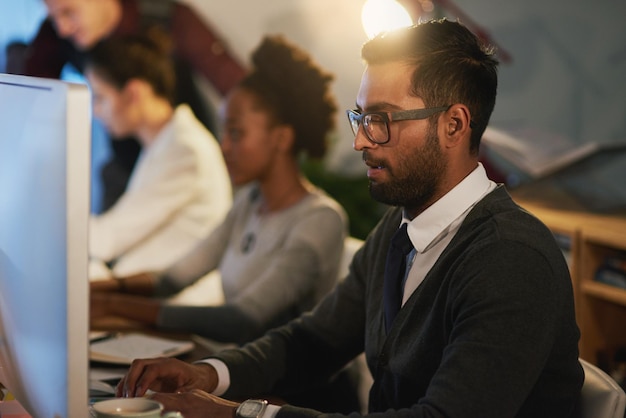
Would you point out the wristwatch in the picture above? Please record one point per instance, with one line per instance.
(252, 408)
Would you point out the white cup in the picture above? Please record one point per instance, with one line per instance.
(131, 408)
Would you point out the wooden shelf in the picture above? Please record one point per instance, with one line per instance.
(600, 308)
(604, 292)
(607, 232)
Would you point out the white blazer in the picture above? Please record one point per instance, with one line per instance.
(178, 192)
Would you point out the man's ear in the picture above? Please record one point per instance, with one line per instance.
(455, 124)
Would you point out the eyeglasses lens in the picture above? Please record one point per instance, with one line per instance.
(375, 127)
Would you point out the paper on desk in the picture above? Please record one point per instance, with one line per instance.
(123, 349)
(99, 335)
(106, 373)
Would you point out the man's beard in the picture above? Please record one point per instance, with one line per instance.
(414, 181)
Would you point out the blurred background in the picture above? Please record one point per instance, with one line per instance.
(562, 82)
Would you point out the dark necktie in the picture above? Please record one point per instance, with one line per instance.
(395, 269)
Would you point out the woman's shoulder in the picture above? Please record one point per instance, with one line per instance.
(319, 201)
(188, 131)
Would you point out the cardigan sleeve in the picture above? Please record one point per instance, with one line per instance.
(308, 350)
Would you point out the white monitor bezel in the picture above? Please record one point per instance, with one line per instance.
(78, 148)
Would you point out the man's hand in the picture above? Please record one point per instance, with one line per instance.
(167, 375)
(197, 404)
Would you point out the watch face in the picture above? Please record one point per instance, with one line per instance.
(251, 408)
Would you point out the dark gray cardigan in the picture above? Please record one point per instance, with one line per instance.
(490, 332)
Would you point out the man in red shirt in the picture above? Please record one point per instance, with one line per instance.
(73, 27)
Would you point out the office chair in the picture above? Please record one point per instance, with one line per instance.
(601, 396)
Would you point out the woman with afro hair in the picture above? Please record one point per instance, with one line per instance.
(279, 248)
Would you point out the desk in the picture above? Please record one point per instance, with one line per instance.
(202, 347)
(12, 409)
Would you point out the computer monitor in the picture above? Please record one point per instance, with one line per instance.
(44, 206)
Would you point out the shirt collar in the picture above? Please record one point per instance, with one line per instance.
(430, 224)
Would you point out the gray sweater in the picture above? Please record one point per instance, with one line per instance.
(273, 268)
(490, 332)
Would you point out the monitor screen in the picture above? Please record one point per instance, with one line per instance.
(44, 206)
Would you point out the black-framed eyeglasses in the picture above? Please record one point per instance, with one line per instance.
(376, 124)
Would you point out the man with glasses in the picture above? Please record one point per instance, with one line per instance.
(461, 300)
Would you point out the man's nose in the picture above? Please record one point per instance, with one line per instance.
(65, 27)
(361, 141)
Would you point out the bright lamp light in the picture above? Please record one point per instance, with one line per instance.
(382, 15)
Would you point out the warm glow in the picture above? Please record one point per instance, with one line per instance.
(383, 15)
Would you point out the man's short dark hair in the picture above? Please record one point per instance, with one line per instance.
(452, 65)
